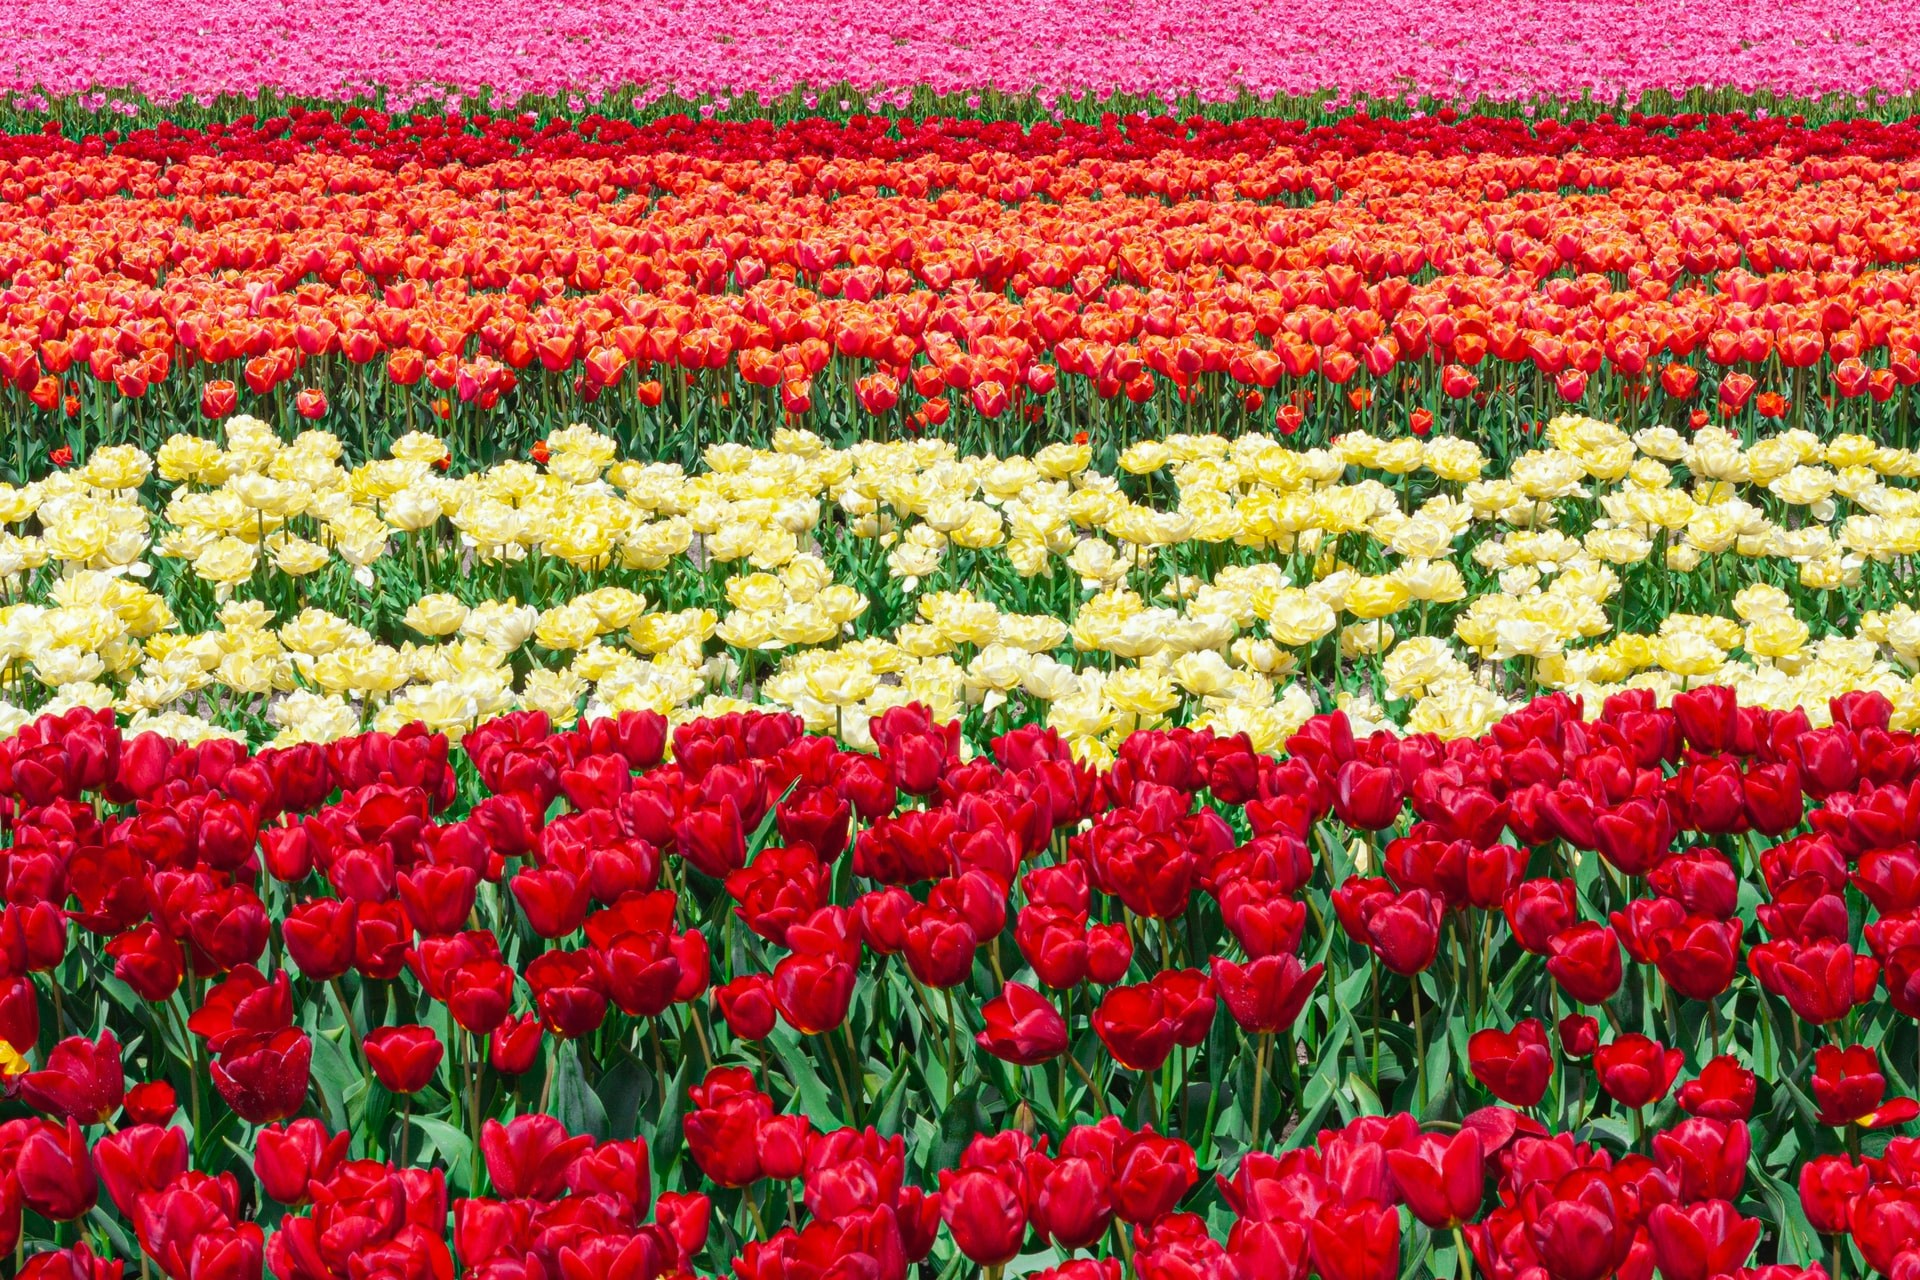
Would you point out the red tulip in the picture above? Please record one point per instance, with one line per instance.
(1723, 1091)
(83, 1080)
(1585, 961)
(1265, 995)
(264, 1076)
(1442, 1179)
(1848, 1087)
(1635, 1071)
(404, 1059)
(528, 1157)
(987, 1219)
(747, 1005)
(1023, 1027)
(1829, 1185)
(287, 1161)
(1133, 1023)
(1708, 1238)
(1357, 1243)
(53, 1172)
(1514, 1066)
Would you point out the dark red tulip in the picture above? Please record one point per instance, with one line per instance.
(1849, 1088)
(1514, 1066)
(1023, 1027)
(1442, 1178)
(1884, 1222)
(149, 961)
(53, 1172)
(288, 1160)
(813, 992)
(138, 1161)
(1265, 995)
(747, 1005)
(1722, 1091)
(940, 948)
(151, 1102)
(1829, 1185)
(479, 995)
(1636, 1071)
(723, 1130)
(1699, 956)
(1151, 1174)
(264, 1077)
(83, 1080)
(1074, 1205)
(528, 1157)
(1706, 1159)
(1109, 953)
(1054, 941)
(1190, 1004)
(1821, 980)
(1585, 961)
(1579, 1035)
(1538, 909)
(1366, 796)
(987, 1218)
(1134, 1025)
(1357, 1243)
(781, 1146)
(1578, 1230)
(514, 1046)
(1696, 1241)
(1404, 930)
(404, 1059)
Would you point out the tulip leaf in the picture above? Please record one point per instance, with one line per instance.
(450, 1142)
(814, 1095)
(574, 1103)
(335, 1075)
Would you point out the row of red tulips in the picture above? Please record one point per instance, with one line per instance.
(389, 141)
(1149, 278)
(1352, 1204)
(410, 944)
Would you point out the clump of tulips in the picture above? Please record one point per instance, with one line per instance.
(1604, 991)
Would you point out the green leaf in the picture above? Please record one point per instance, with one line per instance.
(450, 1142)
(574, 1103)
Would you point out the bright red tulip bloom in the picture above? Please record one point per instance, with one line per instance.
(404, 1059)
(264, 1077)
(1358, 1243)
(747, 1005)
(289, 1160)
(1585, 961)
(987, 1217)
(83, 1080)
(1442, 1178)
(1265, 995)
(1514, 1066)
(1723, 1090)
(1635, 1071)
(1023, 1027)
(1708, 1238)
(1074, 1206)
(1849, 1088)
(1829, 1186)
(528, 1157)
(138, 1161)
(1134, 1025)
(53, 1172)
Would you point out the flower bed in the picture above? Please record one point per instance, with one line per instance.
(335, 974)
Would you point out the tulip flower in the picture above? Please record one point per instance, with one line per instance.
(404, 1059)
(1635, 1071)
(1514, 1066)
(1023, 1027)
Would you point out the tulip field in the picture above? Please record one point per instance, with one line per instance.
(652, 641)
